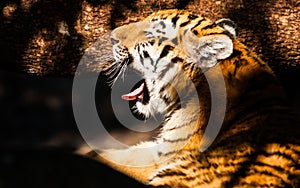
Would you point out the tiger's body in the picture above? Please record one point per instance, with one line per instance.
(259, 143)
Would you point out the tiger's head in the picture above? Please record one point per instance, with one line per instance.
(168, 50)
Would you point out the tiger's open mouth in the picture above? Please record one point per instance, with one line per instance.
(139, 93)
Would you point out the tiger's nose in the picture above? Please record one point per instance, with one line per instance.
(114, 41)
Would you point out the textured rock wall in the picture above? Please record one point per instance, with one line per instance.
(49, 37)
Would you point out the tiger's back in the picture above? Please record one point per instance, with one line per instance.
(258, 145)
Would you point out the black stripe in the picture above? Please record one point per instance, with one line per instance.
(176, 59)
(178, 139)
(187, 66)
(171, 173)
(236, 66)
(159, 31)
(198, 23)
(142, 59)
(276, 168)
(184, 23)
(152, 63)
(174, 20)
(174, 107)
(165, 51)
(192, 67)
(166, 69)
(210, 26)
(266, 173)
(192, 16)
(164, 87)
(190, 178)
(218, 33)
(189, 165)
(170, 153)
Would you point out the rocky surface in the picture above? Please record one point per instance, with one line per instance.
(49, 37)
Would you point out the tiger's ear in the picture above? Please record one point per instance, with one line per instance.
(207, 50)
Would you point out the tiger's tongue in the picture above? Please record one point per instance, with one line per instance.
(135, 94)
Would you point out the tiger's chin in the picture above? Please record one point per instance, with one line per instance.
(154, 106)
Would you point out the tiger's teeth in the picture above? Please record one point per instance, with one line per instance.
(135, 94)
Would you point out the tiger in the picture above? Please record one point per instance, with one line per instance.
(179, 54)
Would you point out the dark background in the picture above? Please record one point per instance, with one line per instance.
(41, 43)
